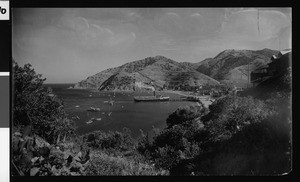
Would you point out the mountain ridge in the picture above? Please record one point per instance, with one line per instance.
(231, 65)
(157, 71)
(160, 72)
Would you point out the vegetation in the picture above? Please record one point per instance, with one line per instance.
(234, 136)
(238, 136)
(39, 124)
(38, 110)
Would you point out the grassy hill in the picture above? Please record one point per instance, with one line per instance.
(232, 65)
(157, 71)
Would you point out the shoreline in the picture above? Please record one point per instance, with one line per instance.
(173, 94)
(186, 94)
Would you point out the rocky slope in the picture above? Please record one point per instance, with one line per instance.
(156, 71)
(232, 65)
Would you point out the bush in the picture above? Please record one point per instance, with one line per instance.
(260, 147)
(182, 139)
(230, 114)
(112, 140)
(35, 107)
(184, 114)
(239, 136)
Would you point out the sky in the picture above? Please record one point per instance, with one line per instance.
(66, 45)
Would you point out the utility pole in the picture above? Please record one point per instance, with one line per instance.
(248, 75)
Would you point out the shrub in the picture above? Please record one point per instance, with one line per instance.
(228, 115)
(113, 140)
(184, 114)
(182, 139)
(241, 135)
(261, 147)
(33, 106)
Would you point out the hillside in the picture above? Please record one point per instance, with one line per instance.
(232, 65)
(279, 81)
(156, 71)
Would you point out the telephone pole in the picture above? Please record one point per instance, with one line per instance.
(248, 75)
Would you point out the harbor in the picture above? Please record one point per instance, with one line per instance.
(118, 108)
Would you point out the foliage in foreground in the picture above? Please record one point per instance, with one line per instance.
(239, 136)
(33, 156)
(44, 142)
(40, 111)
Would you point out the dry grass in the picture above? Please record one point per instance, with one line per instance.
(103, 164)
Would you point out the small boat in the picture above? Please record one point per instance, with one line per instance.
(103, 112)
(105, 101)
(89, 122)
(98, 119)
(151, 98)
(109, 113)
(90, 95)
(77, 106)
(92, 109)
(75, 117)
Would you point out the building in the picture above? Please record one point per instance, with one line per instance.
(278, 65)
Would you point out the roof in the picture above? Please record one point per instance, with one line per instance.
(283, 52)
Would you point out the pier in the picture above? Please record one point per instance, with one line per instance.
(193, 99)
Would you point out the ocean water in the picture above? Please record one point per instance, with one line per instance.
(123, 113)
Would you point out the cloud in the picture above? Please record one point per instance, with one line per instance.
(86, 22)
(170, 23)
(195, 15)
(172, 14)
(103, 29)
(94, 35)
(246, 24)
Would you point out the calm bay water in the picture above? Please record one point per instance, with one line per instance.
(123, 113)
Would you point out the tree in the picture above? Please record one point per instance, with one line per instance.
(37, 107)
(229, 114)
(185, 114)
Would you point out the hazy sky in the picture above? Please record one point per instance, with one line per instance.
(67, 45)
